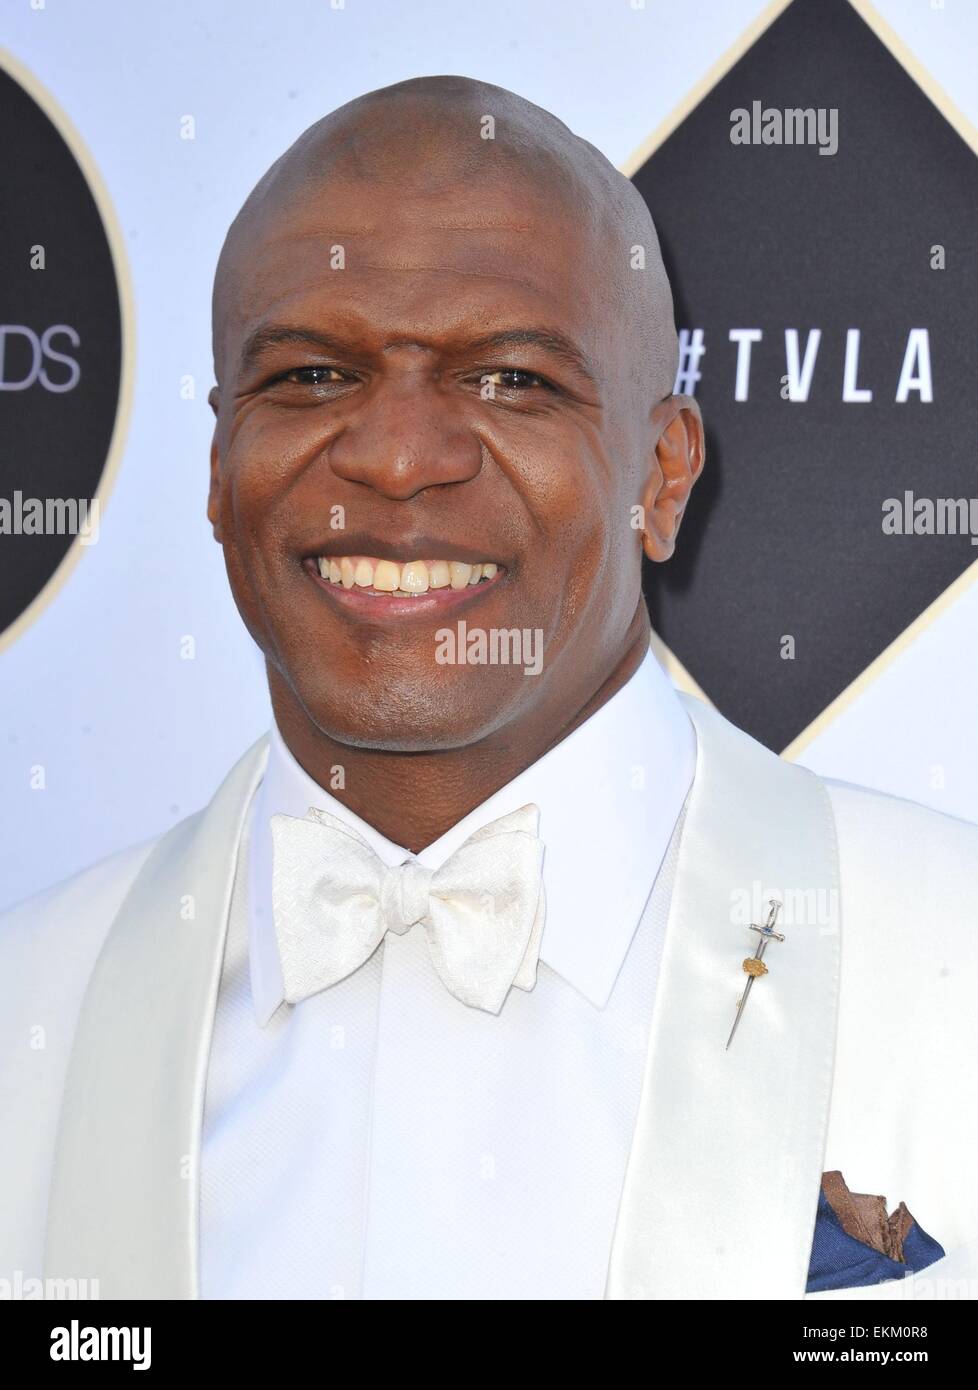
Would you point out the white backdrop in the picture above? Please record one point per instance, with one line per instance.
(131, 736)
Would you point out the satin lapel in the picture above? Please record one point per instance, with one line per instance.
(722, 1181)
(125, 1185)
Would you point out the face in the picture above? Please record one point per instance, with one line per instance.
(429, 422)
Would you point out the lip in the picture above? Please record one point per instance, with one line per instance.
(434, 603)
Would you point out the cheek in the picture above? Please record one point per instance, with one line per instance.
(263, 466)
(253, 530)
(561, 476)
(570, 547)
(599, 550)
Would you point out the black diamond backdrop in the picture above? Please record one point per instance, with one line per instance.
(784, 534)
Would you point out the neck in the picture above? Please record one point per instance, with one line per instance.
(414, 798)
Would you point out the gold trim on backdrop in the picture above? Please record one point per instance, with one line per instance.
(876, 667)
(912, 65)
(955, 118)
(113, 459)
(705, 85)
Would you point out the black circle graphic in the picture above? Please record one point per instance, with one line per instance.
(61, 352)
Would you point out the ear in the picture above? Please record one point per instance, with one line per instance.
(214, 491)
(679, 456)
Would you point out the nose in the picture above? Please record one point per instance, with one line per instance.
(404, 437)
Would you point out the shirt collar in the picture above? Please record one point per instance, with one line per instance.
(609, 794)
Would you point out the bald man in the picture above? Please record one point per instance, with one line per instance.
(498, 970)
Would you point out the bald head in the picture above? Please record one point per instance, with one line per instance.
(430, 140)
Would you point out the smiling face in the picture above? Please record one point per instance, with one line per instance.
(429, 412)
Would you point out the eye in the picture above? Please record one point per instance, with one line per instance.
(513, 379)
(311, 376)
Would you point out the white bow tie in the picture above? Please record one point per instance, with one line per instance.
(483, 910)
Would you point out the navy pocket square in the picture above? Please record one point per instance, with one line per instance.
(856, 1243)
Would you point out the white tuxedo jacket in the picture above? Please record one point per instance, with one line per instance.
(858, 1052)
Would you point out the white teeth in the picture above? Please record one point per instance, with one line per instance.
(387, 576)
(414, 577)
(407, 579)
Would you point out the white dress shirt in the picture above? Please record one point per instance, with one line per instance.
(383, 1140)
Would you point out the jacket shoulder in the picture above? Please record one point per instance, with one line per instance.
(908, 879)
(95, 892)
(49, 942)
(891, 828)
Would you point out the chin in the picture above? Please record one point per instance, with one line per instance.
(417, 718)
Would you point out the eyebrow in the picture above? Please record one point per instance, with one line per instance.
(549, 339)
(271, 335)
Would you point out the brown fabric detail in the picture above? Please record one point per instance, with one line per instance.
(864, 1217)
(900, 1223)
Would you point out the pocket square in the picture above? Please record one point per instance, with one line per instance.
(856, 1243)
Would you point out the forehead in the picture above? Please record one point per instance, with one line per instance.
(402, 260)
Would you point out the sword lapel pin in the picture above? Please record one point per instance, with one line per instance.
(754, 965)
